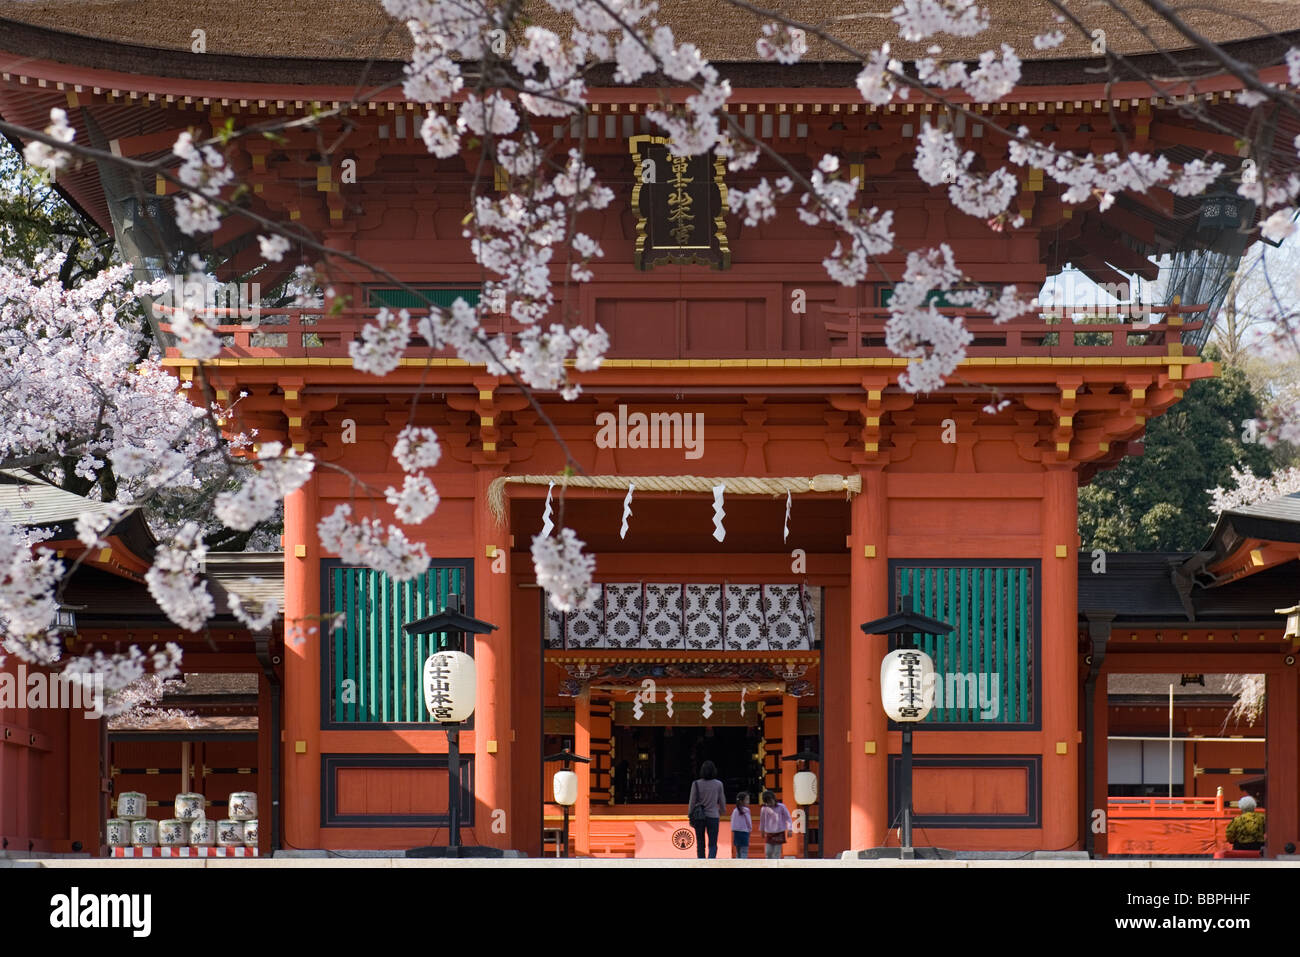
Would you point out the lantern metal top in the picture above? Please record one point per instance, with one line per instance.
(904, 622)
(566, 756)
(802, 756)
(448, 620)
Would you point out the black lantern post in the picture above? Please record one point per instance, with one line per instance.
(567, 757)
(439, 698)
(897, 626)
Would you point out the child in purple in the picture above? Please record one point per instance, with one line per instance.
(742, 823)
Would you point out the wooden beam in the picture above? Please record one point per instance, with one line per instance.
(1166, 133)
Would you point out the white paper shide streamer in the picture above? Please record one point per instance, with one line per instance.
(743, 689)
(719, 513)
(668, 701)
(787, 517)
(707, 710)
(547, 524)
(645, 696)
(627, 510)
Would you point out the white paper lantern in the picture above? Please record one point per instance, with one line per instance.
(805, 788)
(907, 684)
(449, 685)
(565, 786)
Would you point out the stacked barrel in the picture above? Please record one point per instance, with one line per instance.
(190, 826)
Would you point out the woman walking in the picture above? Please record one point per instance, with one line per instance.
(706, 807)
(774, 822)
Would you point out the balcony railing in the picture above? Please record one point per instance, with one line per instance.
(839, 332)
(860, 333)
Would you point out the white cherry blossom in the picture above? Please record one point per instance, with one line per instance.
(563, 570)
(417, 448)
(51, 158)
(382, 343)
(367, 542)
(272, 248)
(416, 500)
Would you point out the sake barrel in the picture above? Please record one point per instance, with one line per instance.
(243, 806)
(203, 833)
(189, 806)
(132, 806)
(117, 832)
(173, 833)
(230, 833)
(144, 833)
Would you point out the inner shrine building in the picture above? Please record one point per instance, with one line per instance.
(727, 633)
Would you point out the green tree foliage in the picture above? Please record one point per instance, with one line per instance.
(37, 222)
(1160, 500)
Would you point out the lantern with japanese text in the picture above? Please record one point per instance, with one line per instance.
(449, 686)
(907, 684)
(906, 690)
(449, 690)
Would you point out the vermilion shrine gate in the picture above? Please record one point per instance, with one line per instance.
(972, 513)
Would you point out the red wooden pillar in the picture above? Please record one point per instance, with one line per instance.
(1283, 782)
(789, 746)
(302, 664)
(492, 727)
(265, 783)
(1059, 700)
(868, 727)
(833, 806)
(528, 789)
(85, 799)
(582, 745)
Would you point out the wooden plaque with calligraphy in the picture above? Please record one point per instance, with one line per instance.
(680, 204)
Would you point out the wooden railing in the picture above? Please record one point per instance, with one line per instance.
(860, 333)
(840, 332)
(305, 332)
(1161, 826)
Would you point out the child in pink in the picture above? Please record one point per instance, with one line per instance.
(741, 826)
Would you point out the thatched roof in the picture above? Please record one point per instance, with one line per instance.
(360, 29)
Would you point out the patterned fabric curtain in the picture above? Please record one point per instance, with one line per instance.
(656, 616)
